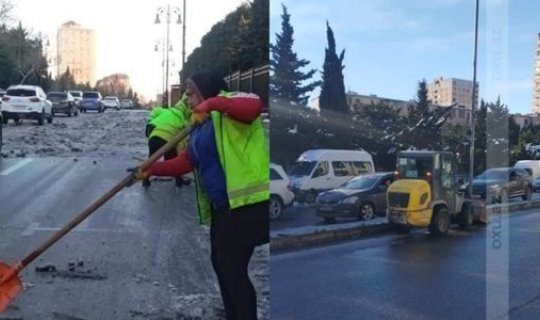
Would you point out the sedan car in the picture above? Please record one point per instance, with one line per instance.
(77, 96)
(281, 195)
(499, 184)
(360, 197)
(26, 102)
(111, 103)
(126, 103)
(91, 100)
(63, 102)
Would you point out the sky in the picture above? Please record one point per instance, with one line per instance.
(390, 45)
(125, 32)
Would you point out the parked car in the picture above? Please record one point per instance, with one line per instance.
(531, 166)
(111, 103)
(91, 100)
(500, 184)
(281, 195)
(77, 96)
(360, 197)
(126, 103)
(536, 184)
(63, 102)
(26, 102)
(1, 125)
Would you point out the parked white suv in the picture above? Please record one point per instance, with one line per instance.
(26, 102)
(281, 195)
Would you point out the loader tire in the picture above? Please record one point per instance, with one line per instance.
(440, 223)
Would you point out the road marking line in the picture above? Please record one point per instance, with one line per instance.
(16, 166)
(31, 228)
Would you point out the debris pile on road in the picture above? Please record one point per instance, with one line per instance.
(89, 135)
(74, 271)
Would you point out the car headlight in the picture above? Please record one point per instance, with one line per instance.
(350, 200)
(494, 186)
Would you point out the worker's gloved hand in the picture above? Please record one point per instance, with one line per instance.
(200, 112)
(138, 174)
(198, 117)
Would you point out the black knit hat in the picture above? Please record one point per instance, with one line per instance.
(208, 83)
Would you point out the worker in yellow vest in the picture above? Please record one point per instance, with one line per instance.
(227, 152)
(162, 125)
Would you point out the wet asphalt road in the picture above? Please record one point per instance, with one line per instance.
(485, 273)
(147, 245)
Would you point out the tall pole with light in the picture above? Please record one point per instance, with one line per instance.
(169, 12)
(471, 159)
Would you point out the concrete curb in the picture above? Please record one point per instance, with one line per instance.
(281, 242)
(285, 242)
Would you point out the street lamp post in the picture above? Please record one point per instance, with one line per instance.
(169, 11)
(471, 157)
(53, 59)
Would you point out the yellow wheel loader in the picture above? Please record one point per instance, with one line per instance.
(425, 193)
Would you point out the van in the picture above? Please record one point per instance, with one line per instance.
(531, 166)
(324, 169)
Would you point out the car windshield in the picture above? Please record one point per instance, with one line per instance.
(109, 98)
(21, 93)
(302, 168)
(75, 94)
(57, 95)
(360, 183)
(90, 95)
(493, 174)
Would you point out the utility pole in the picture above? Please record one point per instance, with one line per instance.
(473, 124)
(184, 35)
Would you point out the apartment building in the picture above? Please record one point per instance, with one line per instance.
(458, 115)
(446, 92)
(536, 90)
(76, 50)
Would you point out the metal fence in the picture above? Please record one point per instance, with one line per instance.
(255, 80)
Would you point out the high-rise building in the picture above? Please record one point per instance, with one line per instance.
(536, 92)
(77, 51)
(452, 91)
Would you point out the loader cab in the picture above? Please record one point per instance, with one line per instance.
(436, 167)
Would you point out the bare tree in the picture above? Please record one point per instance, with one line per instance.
(5, 11)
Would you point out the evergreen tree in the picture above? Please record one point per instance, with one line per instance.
(333, 96)
(66, 81)
(380, 126)
(513, 138)
(480, 138)
(250, 45)
(456, 138)
(424, 122)
(286, 81)
(238, 42)
(497, 149)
